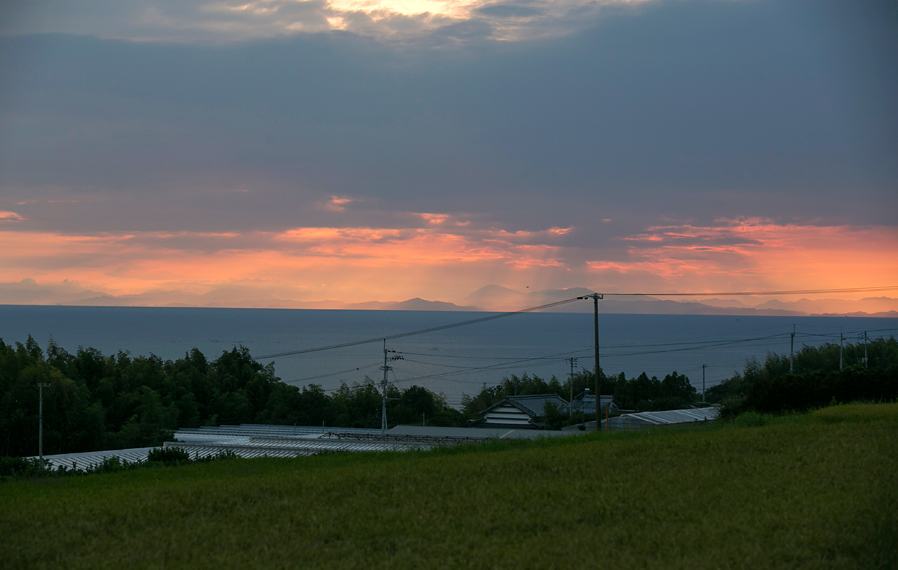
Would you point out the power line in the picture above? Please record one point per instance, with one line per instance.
(762, 293)
(417, 332)
(347, 371)
(565, 302)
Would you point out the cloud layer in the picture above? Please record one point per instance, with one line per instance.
(441, 21)
(418, 151)
(446, 263)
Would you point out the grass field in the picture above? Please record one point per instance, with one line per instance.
(810, 491)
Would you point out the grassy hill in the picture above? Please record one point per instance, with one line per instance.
(808, 491)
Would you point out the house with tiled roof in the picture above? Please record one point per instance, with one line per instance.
(521, 412)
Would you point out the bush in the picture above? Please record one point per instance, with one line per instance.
(23, 467)
(109, 465)
(856, 413)
(168, 455)
(800, 392)
(752, 419)
(730, 407)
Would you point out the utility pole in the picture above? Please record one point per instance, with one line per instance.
(40, 407)
(791, 350)
(866, 362)
(703, 382)
(841, 342)
(595, 298)
(573, 362)
(383, 386)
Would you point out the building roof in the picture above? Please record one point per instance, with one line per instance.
(586, 403)
(533, 405)
(669, 417)
(476, 433)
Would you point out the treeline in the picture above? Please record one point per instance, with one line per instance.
(817, 379)
(642, 393)
(95, 401)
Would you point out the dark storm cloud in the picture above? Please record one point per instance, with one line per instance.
(695, 110)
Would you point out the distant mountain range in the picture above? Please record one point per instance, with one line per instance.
(489, 298)
(498, 298)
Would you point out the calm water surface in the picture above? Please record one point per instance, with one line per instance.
(453, 361)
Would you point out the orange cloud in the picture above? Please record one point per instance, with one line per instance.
(10, 217)
(337, 204)
(385, 263)
(757, 253)
(361, 264)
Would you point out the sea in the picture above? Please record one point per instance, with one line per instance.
(453, 353)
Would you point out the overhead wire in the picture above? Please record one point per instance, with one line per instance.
(417, 332)
(512, 361)
(564, 302)
(761, 293)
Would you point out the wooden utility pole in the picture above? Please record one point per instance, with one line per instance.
(40, 408)
(573, 362)
(595, 298)
(703, 382)
(792, 350)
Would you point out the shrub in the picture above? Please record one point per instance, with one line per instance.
(109, 465)
(752, 419)
(856, 413)
(168, 455)
(23, 467)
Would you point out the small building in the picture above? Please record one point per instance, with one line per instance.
(586, 402)
(522, 412)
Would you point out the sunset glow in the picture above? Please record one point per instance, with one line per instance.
(285, 153)
(327, 263)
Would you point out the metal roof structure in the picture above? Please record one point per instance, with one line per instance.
(252, 440)
(86, 460)
(641, 420)
(475, 433)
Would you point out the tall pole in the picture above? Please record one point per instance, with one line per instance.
(573, 362)
(866, 362)
(791, 349)
(595, 298)
(383, 385)
(40, 408)
(841, 342)
(703, 382)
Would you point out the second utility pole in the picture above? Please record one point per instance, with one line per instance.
(40, 437)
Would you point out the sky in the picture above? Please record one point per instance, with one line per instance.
(285, 153)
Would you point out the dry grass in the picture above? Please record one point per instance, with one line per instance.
(800, 492)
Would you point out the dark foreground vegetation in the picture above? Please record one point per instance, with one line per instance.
(814, 490)
(817, 379)
(96, 401)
